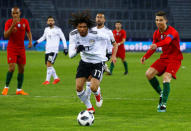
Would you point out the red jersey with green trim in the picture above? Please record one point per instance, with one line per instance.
(170, 43)
(16, 38)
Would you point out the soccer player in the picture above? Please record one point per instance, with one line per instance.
(52, 34)
(93, 54)
(168, 63)
(101, 28)
(15, 30)
(120, 38)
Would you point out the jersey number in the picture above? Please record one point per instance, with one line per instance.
(97, 73)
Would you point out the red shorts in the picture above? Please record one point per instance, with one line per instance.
(16, 56)
(165, 65)
(121, 52)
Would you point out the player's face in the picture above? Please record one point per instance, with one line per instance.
(50, 22)
(160, 22)
(15, 13)
(118, 25)
(100, 19)
(82, 29)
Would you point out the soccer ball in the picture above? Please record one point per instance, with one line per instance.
(85, 118)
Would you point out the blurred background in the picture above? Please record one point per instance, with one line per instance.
(137, 16)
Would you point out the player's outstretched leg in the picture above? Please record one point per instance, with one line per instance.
(20, 78)
(82, 94)
(48, 76)
(56, 79)
(97, 93)
(126, 67)
(111, 68)
(8, 78)
(106, 69)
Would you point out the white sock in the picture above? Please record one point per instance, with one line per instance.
(88, 89)
(19, 89)
(84, 98)
(6, 87)
(48, 73)
(54, 73)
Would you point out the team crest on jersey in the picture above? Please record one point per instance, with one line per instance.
(92, 41)
(162, 37)
(78, 43)
(23, 25)
(117, 33)
(19, 25)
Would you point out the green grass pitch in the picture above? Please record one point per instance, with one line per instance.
(130, 103)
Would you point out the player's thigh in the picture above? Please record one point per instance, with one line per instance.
(83, 70)
(11, 56)
(51, 57)
(173, 68)
(21, 58)
(159, 65)
(11, 67)
(151, 72)
(80, 83)
(167, 77)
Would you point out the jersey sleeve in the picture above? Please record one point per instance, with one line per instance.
(112, 39)
(7, 25)
(72, 46)
(63, 38)
(42, 38)
(124, 35)
(27, 25)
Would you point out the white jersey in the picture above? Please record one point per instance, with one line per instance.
(95, 51)
(107, 31)
(53, 36)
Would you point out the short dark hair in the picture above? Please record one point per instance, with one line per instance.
(50, 17)
(83, 17)
(161, 13)
(118, 22)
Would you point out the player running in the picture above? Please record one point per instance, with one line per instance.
(93, 54)
(101, 28)
(120, 38)
(15, 30)
(170, 60)
(52, 34)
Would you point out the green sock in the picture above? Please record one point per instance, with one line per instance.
(155, 84)
(111, 67)
(126, 66)
(166, 91)
(8, 78)
(20, 78)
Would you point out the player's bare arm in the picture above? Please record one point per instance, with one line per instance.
(115, 48)
(29, 35)
(123, 40)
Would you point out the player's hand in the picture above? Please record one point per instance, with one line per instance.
(30, 45)
(65, 51)
(108, 56)
(153, 47)
(80, 48)
(113, 59)
(35, 44)
(143, 60)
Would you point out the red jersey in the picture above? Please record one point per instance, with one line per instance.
(119, 36)
(16, 38)
(170, 43)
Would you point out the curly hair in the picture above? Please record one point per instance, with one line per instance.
(83, 17)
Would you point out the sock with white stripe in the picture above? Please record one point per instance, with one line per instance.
(84, 98)
(48, 73)
(54, 73)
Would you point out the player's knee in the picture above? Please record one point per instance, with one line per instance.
(11, 68)
(166, 77)
(79, 88)
(148, 75)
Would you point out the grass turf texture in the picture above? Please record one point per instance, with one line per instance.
(130, 103)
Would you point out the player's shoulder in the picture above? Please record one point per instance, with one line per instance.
(74, 32)
(106, 28)
(123, 31)
(172, 29)
(57, 28)
(9, 21)
(24, 20)
(91, 31)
